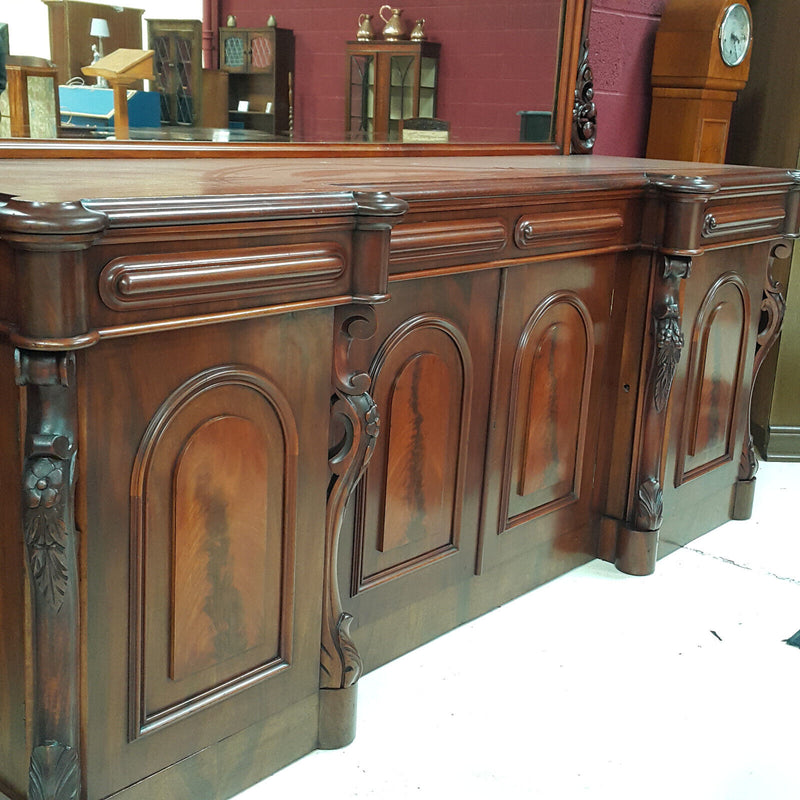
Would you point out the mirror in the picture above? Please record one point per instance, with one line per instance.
(505, 82)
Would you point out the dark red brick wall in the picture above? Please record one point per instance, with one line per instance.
(621, 39)
(485, 77)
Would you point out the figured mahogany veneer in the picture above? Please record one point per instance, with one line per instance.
(308, 415)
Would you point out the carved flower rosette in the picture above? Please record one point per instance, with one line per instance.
(45, 528)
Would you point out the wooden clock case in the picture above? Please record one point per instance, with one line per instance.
(693, 89)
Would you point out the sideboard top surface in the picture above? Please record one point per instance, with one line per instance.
(56, 181)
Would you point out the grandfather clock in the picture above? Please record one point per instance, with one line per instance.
(701, 62)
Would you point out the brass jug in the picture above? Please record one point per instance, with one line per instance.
(395, 27)
(418, 33)
(365, 33)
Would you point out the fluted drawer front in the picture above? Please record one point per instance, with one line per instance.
(763, 218)
(468, 239)
(565, 230)
(151, 281)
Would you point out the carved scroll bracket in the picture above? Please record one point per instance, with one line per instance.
(584, 110)
(637, 541)
(773, 309)
(48, 518)
(354, 429)
(351, 322)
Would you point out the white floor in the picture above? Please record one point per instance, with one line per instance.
(678, 685)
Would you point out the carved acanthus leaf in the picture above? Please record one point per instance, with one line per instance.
(649, 506)
(349, 665)
(748, 463)
(54, 773)
(669, 344)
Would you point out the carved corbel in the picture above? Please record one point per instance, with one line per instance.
(773, 309)
(48, 503)
(637, 540)
(354, 429)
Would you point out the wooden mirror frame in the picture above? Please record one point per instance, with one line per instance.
(574, 124)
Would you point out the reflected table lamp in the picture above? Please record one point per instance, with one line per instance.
(99, 29)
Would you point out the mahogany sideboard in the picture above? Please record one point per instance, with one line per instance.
(267, 424)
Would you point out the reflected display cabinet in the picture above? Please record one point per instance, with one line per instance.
(260, 67)
(177, 63)
(388, 82)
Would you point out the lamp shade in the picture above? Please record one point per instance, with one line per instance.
(99, 28)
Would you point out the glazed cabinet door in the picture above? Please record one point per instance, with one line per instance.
(414, 522)
(177, 63)
(204, 519)
(546, 416)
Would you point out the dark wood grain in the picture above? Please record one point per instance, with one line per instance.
(536, 361)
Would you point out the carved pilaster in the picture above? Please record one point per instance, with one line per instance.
(637, 541)
(584, 111)
(773, 308)
(354, 429)
(48, 502)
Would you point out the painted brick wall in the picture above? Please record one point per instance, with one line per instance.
(484, 79)
(621, 40)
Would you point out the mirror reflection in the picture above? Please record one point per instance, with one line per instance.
(319, 71)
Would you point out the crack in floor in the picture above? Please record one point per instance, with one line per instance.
(733, 563)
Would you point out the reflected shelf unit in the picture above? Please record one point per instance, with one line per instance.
(260, 67)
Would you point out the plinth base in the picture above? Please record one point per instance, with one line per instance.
(636, 551)
(337, 717)
(743, 495)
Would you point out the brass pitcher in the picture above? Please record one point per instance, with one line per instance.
(395, 27)
(418, 33)
(365, 33)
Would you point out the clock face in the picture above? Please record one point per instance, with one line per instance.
(735, 34)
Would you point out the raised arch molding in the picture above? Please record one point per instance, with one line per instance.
(549, 405)
(213, 492)
(715, 374)
(411, 498)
